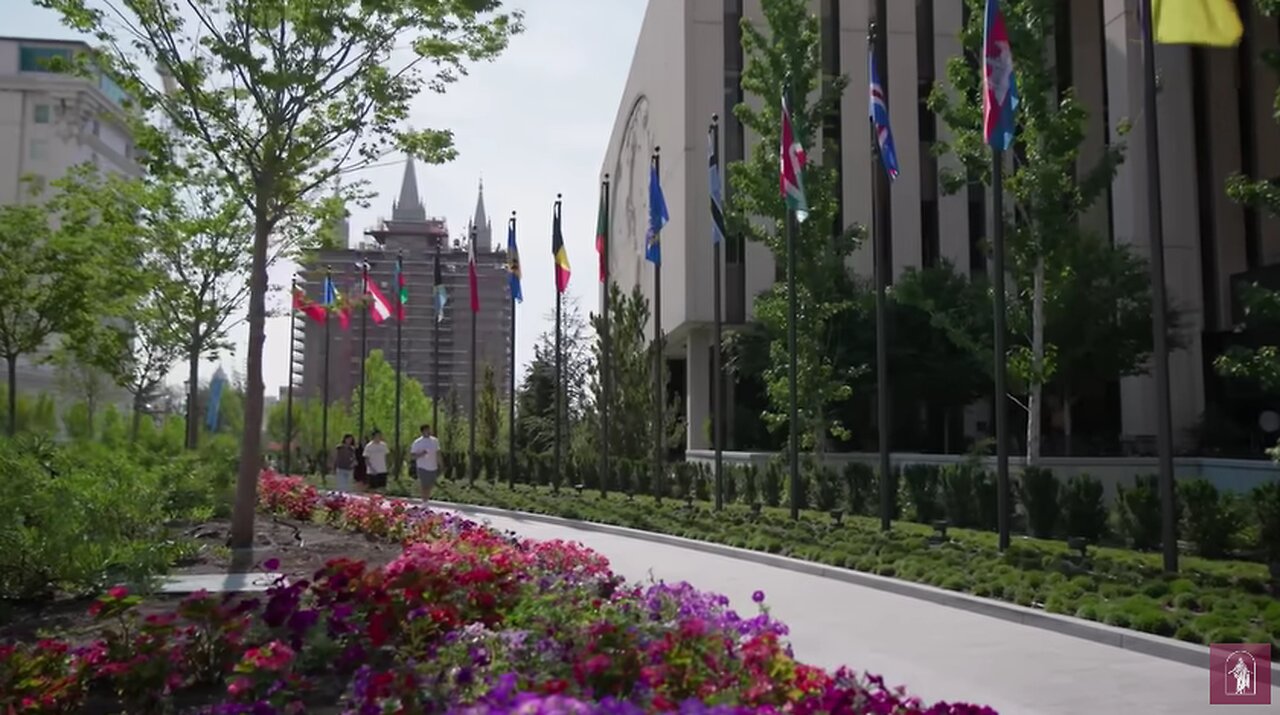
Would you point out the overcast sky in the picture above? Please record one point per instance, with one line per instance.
(533, 123)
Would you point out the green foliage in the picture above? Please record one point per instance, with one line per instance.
(786, 54)
(861, 489)
(1138, 512)
(1210, 519)
(967, 490)
(1266, 505)
(1039, 490)
(921, 484)
(489, 413)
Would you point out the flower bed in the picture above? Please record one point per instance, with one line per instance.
(466, 620)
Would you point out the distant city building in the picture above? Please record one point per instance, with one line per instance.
(51, 121)
(419, 238)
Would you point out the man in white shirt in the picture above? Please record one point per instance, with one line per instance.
(426, 455)
(375, 457)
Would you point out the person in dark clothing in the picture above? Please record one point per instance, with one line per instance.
(344, 463)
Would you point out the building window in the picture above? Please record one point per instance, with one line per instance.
(38, 150)
(42, 114)
(42, 59)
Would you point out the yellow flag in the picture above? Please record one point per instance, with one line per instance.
(1196, 22)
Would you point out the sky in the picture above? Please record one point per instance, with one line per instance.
(531, 124)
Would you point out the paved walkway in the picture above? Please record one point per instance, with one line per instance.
(939, 653)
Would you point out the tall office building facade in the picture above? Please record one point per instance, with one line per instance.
(51, 121)
(418, 238)
(1215, 120)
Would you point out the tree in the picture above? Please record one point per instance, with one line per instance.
(535, 403)
(64, 271)
(789, 54)
(1052, 185)
(380, 403)
(157, 343)
(490, 412)
(89, 384)
(282, 99)
(451, 435)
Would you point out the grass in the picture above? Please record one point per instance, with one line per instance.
(1207, 602)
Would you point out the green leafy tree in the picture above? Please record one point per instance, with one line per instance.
(380, 403)
(64, 271)
(78, 422)
(88, 384)
(787, 53)
(535, 403)
(490, 412)
(454, 419)
(280, 99)
(1051, 184)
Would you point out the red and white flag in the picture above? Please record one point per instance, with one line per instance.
(379, 308)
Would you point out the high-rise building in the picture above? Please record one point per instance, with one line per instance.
(50, 121)
(1215, 119)
(421, 240)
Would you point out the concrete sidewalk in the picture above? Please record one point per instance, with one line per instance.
(937, 652)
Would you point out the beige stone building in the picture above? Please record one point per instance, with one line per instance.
(1215, 120)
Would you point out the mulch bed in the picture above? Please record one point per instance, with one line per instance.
(302, 548)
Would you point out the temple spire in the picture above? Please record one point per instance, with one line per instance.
(409, 206)
(483, 226)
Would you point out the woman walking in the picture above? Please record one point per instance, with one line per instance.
(344, 462)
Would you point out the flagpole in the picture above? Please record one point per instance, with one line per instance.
(1159, 317)
(1001, 358)
(364, 338)
(606, 353)
(288, 407)
(793, 404)
(717, 381)
(471, 438)
(511, 383)
(324, 390)
(555, 483)
(882, 227)
(659, 396)
(399, 357)
(435, 348)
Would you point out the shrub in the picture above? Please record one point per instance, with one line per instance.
(962, 487)
(1038, 491)
(1084, 513)
(772, 487)
(1139, 512)
(1210, 521)
(1266, 506)
(751, 484)
(859, 488)
(920, 483)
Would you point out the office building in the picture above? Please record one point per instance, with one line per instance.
(418, 238)
(1215, 119)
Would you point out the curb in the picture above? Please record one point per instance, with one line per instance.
(1138, 642)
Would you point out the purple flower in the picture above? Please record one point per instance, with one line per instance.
(758, 597)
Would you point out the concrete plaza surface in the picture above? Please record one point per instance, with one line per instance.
(937, 652)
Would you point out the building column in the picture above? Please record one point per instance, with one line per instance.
(697, 391)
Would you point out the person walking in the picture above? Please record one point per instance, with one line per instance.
(375, 457)
(426, 454)
(344, 462)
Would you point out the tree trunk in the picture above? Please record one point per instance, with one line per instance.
(1066, 420)
(12, 361)
(1036, 387)
(251, 441)
(193, 389)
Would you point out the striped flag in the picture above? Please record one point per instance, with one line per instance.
(713, 181)
(999, 88)
(602, 232)
(442, 296)
(379, 308)
(1214, 23)
(879, 112)
(313, 310)
(558, 252)
(792, 160)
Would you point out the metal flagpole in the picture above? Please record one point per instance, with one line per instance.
(606, 352)
(555, 225)
(659, 393)
(324, 389)
(1001, 398)
(364, 339)
(511, 383)
(1159, 318)
(471, 438)
(435, 348)
(793, 408)
(288, 407)
(717, 381)
(399, 358)
(882, 241)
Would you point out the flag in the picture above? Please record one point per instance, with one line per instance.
(1196, 22)
(312, 309)
(379, 309)
(558, 253)
(513, 263)
(402, 292)
(879, 112)
(602, 232)
(473, 277)
(713, 181)
(442, 296)
(791, 160)
(335, 303)
(657, 216)
(999, 89)
(216, 386)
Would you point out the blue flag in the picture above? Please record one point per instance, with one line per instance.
(657, 217)
(442, 296)
(330, 293)
(879, 112)
(513, 262)
(216, 386)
